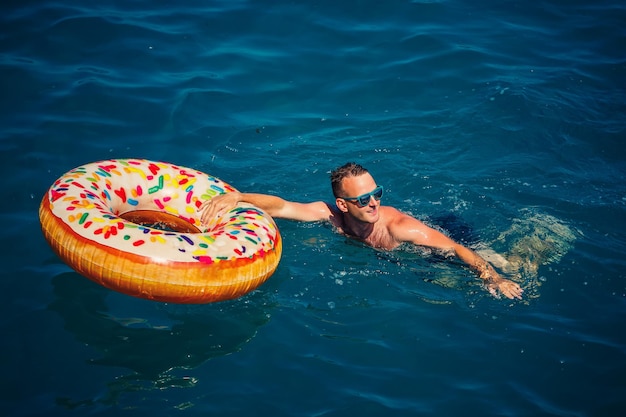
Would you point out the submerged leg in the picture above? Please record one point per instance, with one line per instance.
(532, 241)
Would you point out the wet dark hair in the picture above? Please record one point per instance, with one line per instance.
(351, 169)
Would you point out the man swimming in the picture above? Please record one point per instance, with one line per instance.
(358, 213)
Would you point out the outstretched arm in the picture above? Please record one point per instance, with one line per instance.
(272, 205)
(409, 229)
(493, 281)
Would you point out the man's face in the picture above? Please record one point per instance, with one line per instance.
(356, 186)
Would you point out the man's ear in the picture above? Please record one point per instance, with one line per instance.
(341, 204)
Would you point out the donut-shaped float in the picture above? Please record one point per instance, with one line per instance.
(133, 226)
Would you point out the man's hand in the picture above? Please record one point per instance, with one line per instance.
(505, 287)
(217, 206)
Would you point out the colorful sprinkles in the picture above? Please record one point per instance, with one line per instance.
(90, 198)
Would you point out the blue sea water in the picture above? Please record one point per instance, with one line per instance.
(500, 122)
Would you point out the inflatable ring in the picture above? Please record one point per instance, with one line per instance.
(133, 226)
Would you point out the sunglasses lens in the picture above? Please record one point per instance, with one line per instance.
(364, 199)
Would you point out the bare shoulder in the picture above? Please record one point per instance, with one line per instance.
(406, 228)
(396, 218)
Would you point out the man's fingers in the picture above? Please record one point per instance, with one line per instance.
(216, 206)
(512, 290)
(507, 288)
(493, 291)
(208, 210)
